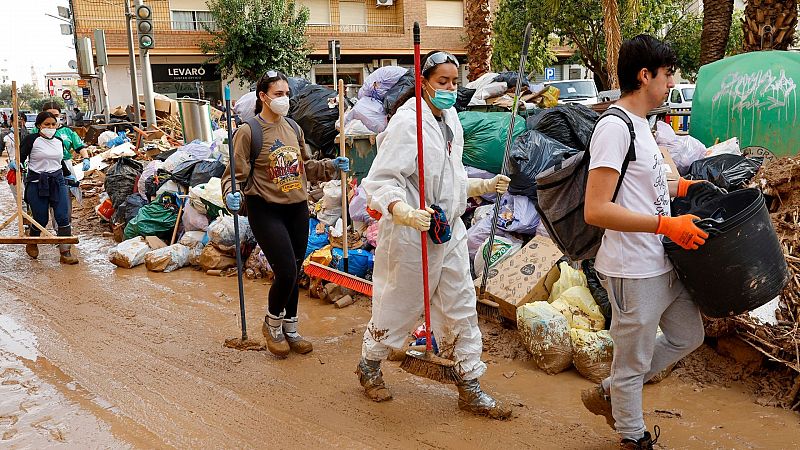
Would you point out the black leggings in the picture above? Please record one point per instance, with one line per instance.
(282, 234)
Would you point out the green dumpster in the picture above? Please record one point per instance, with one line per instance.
(361, 149)
(753, 97)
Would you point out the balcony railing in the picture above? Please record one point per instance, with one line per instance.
(354, 29)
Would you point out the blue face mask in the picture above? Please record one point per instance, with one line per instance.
(443, 99)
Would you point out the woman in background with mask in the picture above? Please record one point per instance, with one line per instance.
(392, 186)
(72, 142)
(45, 186)
(276, 194)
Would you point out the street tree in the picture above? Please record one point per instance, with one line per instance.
(579, 24)
(686, 38)
(769, 24)
(29, 92)
(478, 27)
(249, 37)
(716, 27)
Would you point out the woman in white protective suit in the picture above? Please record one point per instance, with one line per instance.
(393, 188)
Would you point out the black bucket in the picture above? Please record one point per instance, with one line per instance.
(741, 266)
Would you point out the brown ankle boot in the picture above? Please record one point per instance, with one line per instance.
(66, 254)
(32, 250)
(371, 378)
(272, 329)
(296, 342)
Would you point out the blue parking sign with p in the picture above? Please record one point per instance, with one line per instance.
(550, 73)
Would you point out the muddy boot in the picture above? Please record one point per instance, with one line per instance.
(471, 398)
(66, 249)
(644, 443)
(272, 329)
(32, 250)
(296, 342)
(371, 378)
(598, 402)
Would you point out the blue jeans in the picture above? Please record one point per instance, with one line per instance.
(40, 206)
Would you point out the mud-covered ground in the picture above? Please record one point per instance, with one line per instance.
(92, 356)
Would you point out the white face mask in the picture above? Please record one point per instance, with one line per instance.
(280, 105)
(48, 132)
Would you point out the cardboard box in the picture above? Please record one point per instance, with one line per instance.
(522, 278)
(673, 175)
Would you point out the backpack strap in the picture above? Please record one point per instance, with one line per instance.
(256, 143)
(631, 155)
(296, 129)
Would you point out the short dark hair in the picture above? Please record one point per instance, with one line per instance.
(51, 105)
(642, 52)
(42, 116)
(265, 82)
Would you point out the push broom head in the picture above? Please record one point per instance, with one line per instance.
(343, 279)
(428, 365)
(247, 344)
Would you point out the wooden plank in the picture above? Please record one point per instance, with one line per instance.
(33, 222)
(9, 220)
(38, 239)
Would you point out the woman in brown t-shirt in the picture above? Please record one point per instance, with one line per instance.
(275, 189)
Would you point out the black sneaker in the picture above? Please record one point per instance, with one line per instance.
(644, 443)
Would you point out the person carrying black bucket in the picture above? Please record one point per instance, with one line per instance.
(392, 186)
(642, 285)
(273, 168)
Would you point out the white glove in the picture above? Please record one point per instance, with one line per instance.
(477, 187)
(405, 214)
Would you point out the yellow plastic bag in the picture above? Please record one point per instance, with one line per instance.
(547, 97)
(569, 278)
(545, 333)
(322, 256)
(580, 309)
(592, 353)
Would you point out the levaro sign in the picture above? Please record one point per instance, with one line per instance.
(180, 73)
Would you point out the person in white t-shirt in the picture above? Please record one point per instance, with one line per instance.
(641, 282)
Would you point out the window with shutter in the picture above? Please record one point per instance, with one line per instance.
(445, 13)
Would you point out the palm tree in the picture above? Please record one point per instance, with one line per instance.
(479, 28)
(769, 24)
(717, 17)
(613, 40)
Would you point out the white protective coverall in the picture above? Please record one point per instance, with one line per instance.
(397, 302)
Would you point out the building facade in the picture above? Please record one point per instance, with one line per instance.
(58, 82)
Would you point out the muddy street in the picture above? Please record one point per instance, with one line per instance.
(92, 356)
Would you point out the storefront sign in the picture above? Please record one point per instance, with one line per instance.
(178, 73)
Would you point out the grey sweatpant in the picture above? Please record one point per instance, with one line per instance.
(639, 307)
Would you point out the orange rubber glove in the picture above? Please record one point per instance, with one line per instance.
(682, 230)
(684, 184)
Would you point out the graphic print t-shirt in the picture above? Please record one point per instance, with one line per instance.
(644, 190)
(282, 167)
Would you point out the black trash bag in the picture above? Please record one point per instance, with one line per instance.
(121, 180)
(129, 208)
(206, 170)
(729, 172)
(571, 125)
(154, 183)
(599, 293)
(393, 95)
(463, 98)
(164, 155)
(183, 173)
(310, 109)
(296, 85)
(510, 78)
(532, 153)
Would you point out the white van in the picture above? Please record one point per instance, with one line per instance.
(680, 97)
(583, 92)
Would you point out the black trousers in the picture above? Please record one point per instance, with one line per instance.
(282, 233)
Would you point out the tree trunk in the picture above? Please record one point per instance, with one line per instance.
(717, 16)
(613, 40)
(478, 28)
(769, 24)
